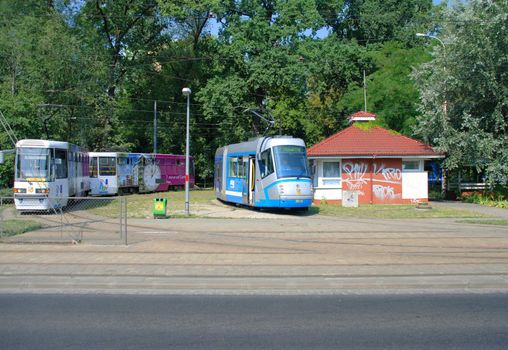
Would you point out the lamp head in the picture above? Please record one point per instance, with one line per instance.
(186, 91)
(422, 35)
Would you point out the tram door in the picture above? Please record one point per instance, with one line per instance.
(244, 173)
(252, 179)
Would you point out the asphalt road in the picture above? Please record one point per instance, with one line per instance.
(473, 321)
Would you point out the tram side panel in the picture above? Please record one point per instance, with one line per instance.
(160, 172)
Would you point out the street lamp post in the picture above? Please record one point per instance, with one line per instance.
(187, 92)
(445, 105)
(423, 35)
(430, 36)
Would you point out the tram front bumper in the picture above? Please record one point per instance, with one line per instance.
(36, 202)
(295, 201)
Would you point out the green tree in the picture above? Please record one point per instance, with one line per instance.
(375, 21)
(391, 93)
(464, 89)
(42, 72)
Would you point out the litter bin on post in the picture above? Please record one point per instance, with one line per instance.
(159, 208)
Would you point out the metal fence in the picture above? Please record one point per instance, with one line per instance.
(99, 220)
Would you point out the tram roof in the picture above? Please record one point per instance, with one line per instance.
(42, 143)
(264, 142)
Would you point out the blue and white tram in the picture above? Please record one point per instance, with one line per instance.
(47, 173)
(265, 172)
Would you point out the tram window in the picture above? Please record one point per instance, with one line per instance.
(93, 167)
(107, 166)
(60, 164)
(233, 167)
(266, 163)
(242, 167)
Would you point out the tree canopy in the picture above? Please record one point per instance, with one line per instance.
(93, 72)
(464, 89)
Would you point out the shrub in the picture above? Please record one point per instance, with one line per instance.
(491, 199)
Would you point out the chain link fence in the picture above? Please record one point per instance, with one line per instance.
(98, 220)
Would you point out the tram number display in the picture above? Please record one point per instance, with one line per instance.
(291, 149)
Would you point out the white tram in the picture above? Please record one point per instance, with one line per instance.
(47, 173)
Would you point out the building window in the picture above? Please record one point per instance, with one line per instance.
(331, 174)
(411, 165)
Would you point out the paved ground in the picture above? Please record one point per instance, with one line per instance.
(256, 252)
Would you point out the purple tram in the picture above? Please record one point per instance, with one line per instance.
(114, 173)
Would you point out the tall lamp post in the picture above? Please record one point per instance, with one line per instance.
(187, 92)
(430, 36)
(445, 106)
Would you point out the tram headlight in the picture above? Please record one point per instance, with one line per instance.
(19, 190)
(42, 190)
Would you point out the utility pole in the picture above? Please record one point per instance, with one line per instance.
(365, 90)
(155, 126)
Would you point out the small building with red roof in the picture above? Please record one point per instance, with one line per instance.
(366, 164)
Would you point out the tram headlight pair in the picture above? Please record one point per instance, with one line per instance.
(42, 190)
(281, 189)
(19, 190)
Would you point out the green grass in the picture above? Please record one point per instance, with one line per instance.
(15, 227)
(141, 205)
(385, 211)
(502, 222)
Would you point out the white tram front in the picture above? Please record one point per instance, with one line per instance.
(47, 173)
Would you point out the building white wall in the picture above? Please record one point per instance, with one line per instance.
(326, 189)
(415, 185)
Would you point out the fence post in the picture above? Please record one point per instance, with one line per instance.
(125, 226)
(1, 217)
(121, 219)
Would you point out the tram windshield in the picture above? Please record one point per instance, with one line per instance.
(291, 161)
(32, 163)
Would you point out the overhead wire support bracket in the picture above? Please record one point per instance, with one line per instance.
(8, 129)
(270, 121)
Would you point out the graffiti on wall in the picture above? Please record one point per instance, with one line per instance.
(388, 182)
(355, 175)
(393, 175)
(384, 192)
(381, 182)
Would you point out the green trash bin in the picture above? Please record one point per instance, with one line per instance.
(160, 208)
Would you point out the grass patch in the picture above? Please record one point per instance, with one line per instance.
(141, 205)
(15, 227)
(385, 211)
(502, 222)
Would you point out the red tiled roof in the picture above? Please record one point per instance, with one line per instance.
(376, 141)
(362, 114)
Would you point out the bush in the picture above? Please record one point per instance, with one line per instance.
(5, 192)
(491, 199)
